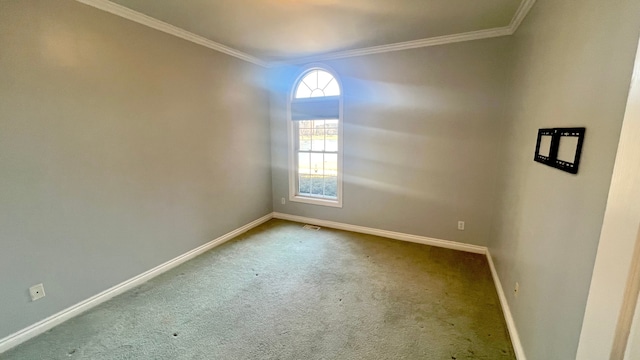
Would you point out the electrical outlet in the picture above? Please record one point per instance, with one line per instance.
(36, 292)
(282, 201)
(516, 289)
(461, 225)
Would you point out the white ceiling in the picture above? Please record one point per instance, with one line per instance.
(282, 30)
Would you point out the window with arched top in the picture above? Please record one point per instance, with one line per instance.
(317, 83)
(315, 142)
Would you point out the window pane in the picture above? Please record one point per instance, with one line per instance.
(306, 124)
(323, 79)
(317, 164)
(332, 89)
(318, 139)
(331, 143)
(331, 186)
(311, 80)
(303, 163)
(317, 83)
(317, 93)
(331, 135)
(304, 139)
(304, 184)
(317, 185)
(303, 91)
(332, 124)
(331, 164)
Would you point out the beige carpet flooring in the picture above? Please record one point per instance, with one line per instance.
(283, 292)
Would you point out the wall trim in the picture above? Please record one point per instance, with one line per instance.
(521, 13)
(75, 310)
(518, 17)
(511, 324)
(432, 41)
(154, 23)
(477, 249)
(127, 13)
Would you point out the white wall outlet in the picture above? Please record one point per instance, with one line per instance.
(460, 225)
(516, 289)
(36, 292)
(283, 201)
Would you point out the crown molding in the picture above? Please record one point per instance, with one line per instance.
(433, 41)
(521, 13)
(154, 23)
(516, 20)
(125, 12)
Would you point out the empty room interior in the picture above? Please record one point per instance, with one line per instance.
(319, 179)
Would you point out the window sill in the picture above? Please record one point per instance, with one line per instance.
(316, 201)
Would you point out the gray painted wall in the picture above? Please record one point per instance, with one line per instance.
(421, 133)
(572, 67)
(120, 148)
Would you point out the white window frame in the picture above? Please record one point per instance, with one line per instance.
(292, 139)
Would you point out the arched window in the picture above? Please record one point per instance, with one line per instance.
(317, 83)
(315, 143)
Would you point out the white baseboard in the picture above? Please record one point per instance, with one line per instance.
(75, 310)
(385, 233)
(513, 332)
(511, 325)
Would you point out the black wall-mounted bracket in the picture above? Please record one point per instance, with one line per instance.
(560, 148)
